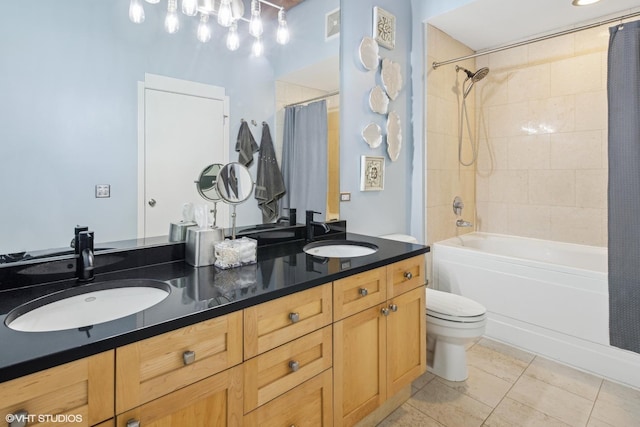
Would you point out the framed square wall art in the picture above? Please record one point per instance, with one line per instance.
(371, 173)
(384, 28)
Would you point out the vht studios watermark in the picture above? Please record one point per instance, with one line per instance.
(24, 418)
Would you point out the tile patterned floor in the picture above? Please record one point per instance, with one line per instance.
(508, 387)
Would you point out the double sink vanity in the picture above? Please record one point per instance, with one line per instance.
(319, 334)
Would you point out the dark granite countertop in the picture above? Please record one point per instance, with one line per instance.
(197, 294)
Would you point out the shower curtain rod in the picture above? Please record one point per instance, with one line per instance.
(537, 39)
(317, 98)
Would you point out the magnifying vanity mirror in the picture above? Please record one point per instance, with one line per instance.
(234, 185)
(206, 185)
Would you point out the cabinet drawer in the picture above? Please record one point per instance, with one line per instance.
(81, 388)
(279, 370)
(405, 275)
(214, 401)
(308, 405)
(276, 322)
(359, 292)
(150, 368)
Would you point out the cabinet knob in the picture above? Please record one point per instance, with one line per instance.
(393, 307)
(408, 275)
(133, 423)
(294, 365)
(18, 419)
(294, 317)
(363, 292)
(152, 202)
(188, 357)
(384, 311)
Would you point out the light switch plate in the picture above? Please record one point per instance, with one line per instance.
(345, 197)
(103, 191)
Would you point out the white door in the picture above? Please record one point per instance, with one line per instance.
(185, 129)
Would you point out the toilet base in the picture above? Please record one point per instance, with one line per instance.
(449, 360)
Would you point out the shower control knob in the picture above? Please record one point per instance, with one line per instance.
(363, 292)
(408, 275)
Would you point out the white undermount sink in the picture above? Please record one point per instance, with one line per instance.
(340, 248)
(87, 305)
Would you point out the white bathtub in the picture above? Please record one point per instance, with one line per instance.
(550, 298)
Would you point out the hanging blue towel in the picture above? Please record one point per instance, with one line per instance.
(245, 144)
(269, 182)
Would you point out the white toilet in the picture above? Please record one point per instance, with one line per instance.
(452, 322)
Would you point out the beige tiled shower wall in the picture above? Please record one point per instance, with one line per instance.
(542, 117)
(446, 178)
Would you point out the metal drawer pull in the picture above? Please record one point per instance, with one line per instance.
(19, 419)
(133, 423)
(294, 366)
(188, 357)
(408, 275)
(385, 311)
(363, 292)
(294, 317)
(393, 307)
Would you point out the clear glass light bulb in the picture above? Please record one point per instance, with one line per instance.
(204, 31)
(171, 21)
(233, 41)
(255, 25)
(257, 48)
(225, 15)
(282, 34)
(136, 12)
(190, 7)
(153, 1)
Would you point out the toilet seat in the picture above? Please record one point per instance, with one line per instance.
(453, 308)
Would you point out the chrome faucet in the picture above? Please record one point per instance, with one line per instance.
(462, 223)
(85, 262)
(310, 224)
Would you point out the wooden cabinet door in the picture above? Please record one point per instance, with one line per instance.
(308, 405)
(213, 402)
(82, 388)
(406, 340)
(148, 369)
(359, 364)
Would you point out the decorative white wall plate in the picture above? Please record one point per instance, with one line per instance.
(378, 100)
(394, 136)
(369, 53)
(391, 77)
(371, 173)
(372, 135)
(384, 27)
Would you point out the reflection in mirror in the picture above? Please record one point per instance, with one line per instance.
(206, 183)
(79, 120)
(234, 185)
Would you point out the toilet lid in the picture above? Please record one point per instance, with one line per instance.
(450, 304)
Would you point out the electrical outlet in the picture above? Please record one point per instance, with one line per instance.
(103, 191)
(345, 197)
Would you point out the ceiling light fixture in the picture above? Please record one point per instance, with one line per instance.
(583, 2)
(228, 13)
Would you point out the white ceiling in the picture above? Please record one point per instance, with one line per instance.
(484, 24)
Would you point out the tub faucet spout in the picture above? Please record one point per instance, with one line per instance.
(462, 223)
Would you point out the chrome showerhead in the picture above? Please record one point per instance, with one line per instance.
(474, 77)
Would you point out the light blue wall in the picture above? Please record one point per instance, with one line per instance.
(386, 211)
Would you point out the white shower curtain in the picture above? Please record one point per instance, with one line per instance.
(304, 158)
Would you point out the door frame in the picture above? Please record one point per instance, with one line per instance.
(181, 87)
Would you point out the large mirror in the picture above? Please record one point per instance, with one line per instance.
(70, 109)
